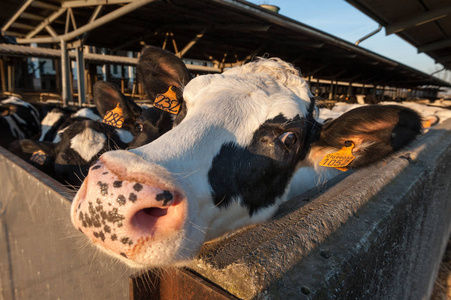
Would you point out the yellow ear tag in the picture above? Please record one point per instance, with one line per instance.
(339, 160)
(38, 157)
(168, 101)
(114, 117)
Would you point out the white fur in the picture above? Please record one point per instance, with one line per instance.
(124, 135)
(46, 124)
(87, 113)
(88, 143)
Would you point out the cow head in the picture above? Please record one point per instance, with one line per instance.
(228, 164)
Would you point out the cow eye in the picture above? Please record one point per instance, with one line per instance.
(288, 138)
(138, 127)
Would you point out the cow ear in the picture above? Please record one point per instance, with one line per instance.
(107, 97)
(32, 146)
(159, 69)
(364, 135)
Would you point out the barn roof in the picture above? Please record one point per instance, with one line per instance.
(426, 24)
(225, 32)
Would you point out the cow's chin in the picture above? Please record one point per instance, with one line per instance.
(170, 252)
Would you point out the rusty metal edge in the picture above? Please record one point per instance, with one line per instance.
(175, 283)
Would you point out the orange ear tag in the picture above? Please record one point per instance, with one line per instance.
(38, 157)
(168, 101)
(339, 160)
(114, 117)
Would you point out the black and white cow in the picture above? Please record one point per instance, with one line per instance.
(18, 120)
(229, 163)
(83, 137)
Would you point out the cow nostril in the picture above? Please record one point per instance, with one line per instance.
(155, 211)
(145, 219)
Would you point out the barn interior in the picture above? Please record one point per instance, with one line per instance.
(81, 42)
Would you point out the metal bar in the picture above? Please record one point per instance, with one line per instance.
(29, 16)
(72, 17)
(16, 16)
(47, 21)
(435, 46)
(423, 18)
(21, 26)
(2, 75)
(97, 23)
(94, 15)
(65, 74)
(191, 43)
(81, 76)
(40, 4)
(85, 3)
(50, 30)
(66, 27)
(368, 35)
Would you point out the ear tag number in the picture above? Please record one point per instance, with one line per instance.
(38, 157)
(339, 160)
(114, 117)
(168, 101)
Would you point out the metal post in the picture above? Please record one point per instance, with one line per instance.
(349, 93)
(331, 90)
(65, 80)
(11, 78)
(2, 74)
(81, 76)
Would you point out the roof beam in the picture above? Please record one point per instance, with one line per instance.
(46, 22)
(84, 3)
(423, 18)
(16, 16)
(191, 43)
(29, 16)
(123, 10)
(435, 46)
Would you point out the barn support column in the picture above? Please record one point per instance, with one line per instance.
(2, 74)
(331, 90)
(11, 78)
(349, 93)
(317, 88)
(81, 76)
(65, 74)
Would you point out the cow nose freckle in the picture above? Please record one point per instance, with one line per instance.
(137, 187)
(166, 196)
(117, 184)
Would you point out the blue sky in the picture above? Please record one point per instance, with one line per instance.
(341, 19)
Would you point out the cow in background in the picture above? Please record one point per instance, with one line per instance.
(18, 120)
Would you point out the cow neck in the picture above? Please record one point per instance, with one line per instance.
(312, 128)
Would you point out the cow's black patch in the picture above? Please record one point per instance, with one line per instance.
(260, 172)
